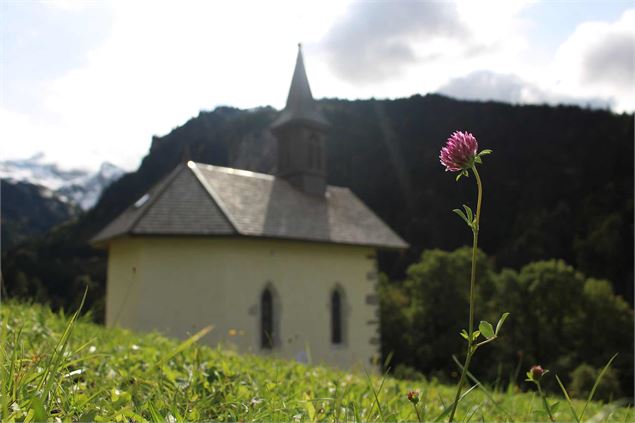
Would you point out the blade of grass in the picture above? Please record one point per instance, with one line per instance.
(483, 388)
(61, 343)
(627, 414)
(449, 408)
(11, 389)
(566, 395)
(441, 400)
(604, 415)
(156, 416)
(184, 345)
(376, 394)
(39, 413)
(388, 360)
(358, 418)
(469, 416)
(54, 363)
(595, 385)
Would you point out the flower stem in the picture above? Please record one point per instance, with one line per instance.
(470, 350)
(417, 411)
(544, 401)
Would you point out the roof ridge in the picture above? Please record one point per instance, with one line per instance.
(236, 171)
(252, 174)
(215, 197)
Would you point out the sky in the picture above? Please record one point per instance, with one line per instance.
(87, 81)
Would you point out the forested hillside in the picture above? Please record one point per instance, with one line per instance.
(30, 210)
(559, 185)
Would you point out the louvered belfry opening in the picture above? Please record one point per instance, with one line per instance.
(301, 130)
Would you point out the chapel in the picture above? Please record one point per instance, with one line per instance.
(280, 264)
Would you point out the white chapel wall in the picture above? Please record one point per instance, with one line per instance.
(186, 284)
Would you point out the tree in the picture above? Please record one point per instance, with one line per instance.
(439, 290)
(559, 318)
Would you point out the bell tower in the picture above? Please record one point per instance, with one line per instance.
(300, 130)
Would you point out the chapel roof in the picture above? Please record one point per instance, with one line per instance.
(200, 199)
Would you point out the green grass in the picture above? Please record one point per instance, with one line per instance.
(53, 366)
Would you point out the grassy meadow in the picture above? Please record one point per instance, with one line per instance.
(56, 367)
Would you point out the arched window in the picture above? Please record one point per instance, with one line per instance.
(336, 317)
(266, 320)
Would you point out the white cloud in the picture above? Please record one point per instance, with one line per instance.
(374, 41)
(592, 67)
(598, 59)
(510, 88)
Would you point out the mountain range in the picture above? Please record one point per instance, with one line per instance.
(79, 187)
(37, 195)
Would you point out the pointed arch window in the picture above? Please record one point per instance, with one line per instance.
(336, 318)
(266, 320)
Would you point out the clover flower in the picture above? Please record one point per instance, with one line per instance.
(413, 397)
(459, 151)
(536, 371)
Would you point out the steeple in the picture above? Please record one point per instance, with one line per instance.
(300, 104)
(300, 129)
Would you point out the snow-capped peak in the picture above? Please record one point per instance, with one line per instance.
(77, 186)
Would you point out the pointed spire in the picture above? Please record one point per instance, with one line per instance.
(301, 107)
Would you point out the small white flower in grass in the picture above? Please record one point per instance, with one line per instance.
(170, 418)
(135, 347)
(74, 373)
(92, 349)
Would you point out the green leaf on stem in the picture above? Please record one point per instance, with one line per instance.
(462, 216)
(486, 329)
(499, 325)
(465, 335)
(485, 152)
(470, 215)
(475, 335)
(462, 173)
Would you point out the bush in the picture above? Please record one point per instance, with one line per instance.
(583, 378)
(407, 373)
